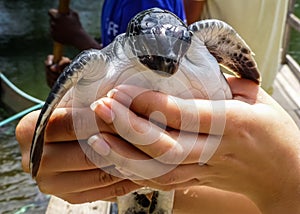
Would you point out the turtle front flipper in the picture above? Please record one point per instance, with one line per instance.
(71, 75)
(230, 50)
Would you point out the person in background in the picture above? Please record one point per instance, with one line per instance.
(259, 22)
(115, 15)
(193, 10)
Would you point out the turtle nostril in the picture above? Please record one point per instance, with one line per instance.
(168, 60)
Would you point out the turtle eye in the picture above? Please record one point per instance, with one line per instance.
(148, 23)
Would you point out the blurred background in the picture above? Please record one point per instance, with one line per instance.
(24, 44)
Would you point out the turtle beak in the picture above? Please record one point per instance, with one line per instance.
(163, 66)
(164, 54)
(162, 47)
(167, 66)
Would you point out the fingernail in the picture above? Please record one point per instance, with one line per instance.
(105, 113)
(99, 145)
(121, 97)
(111, 93)
(94, 105)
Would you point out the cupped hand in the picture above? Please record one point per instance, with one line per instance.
(65, 170)
(256, 151)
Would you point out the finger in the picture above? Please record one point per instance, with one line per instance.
(69, 156)
(243, 89)
(62, 183)
(169, 147)
(104, 193)
(204, 116)
(53, 13)
(24, 133)
(60, 128)
(137, 166)
(128, 160)
(65, 61)
(132, 128)
(49, 60)
(67, 124)
(187, 115)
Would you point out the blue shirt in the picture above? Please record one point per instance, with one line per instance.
(117, 13)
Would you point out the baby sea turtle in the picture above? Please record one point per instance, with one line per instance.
(167, 53)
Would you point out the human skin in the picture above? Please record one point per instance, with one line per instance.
(254, 173)
(193, 10)
(67, 29)
(53, 70)
(63, 160)
(258, 155)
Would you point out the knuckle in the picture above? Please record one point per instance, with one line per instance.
(168, 179)
(81, 124)
(70, 119)
(138, 103)
(171, 154)
(103, 177)
(119, 190)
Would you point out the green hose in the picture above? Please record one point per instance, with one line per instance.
(20, 114)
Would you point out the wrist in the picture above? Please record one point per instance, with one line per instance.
(286, 198)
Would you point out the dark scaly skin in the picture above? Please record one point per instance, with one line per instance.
(153, 34)
(66, 80)
(170, 35)
(227, 47)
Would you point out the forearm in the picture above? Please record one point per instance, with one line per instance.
(193, 10)
(83, 41)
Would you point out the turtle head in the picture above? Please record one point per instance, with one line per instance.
(159, 39)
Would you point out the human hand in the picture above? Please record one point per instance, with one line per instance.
(67, 29)
(65, 171)
(257, 150)
(53, 70)
(64, 27)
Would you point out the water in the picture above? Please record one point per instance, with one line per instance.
(19, 193)
(24, 43)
